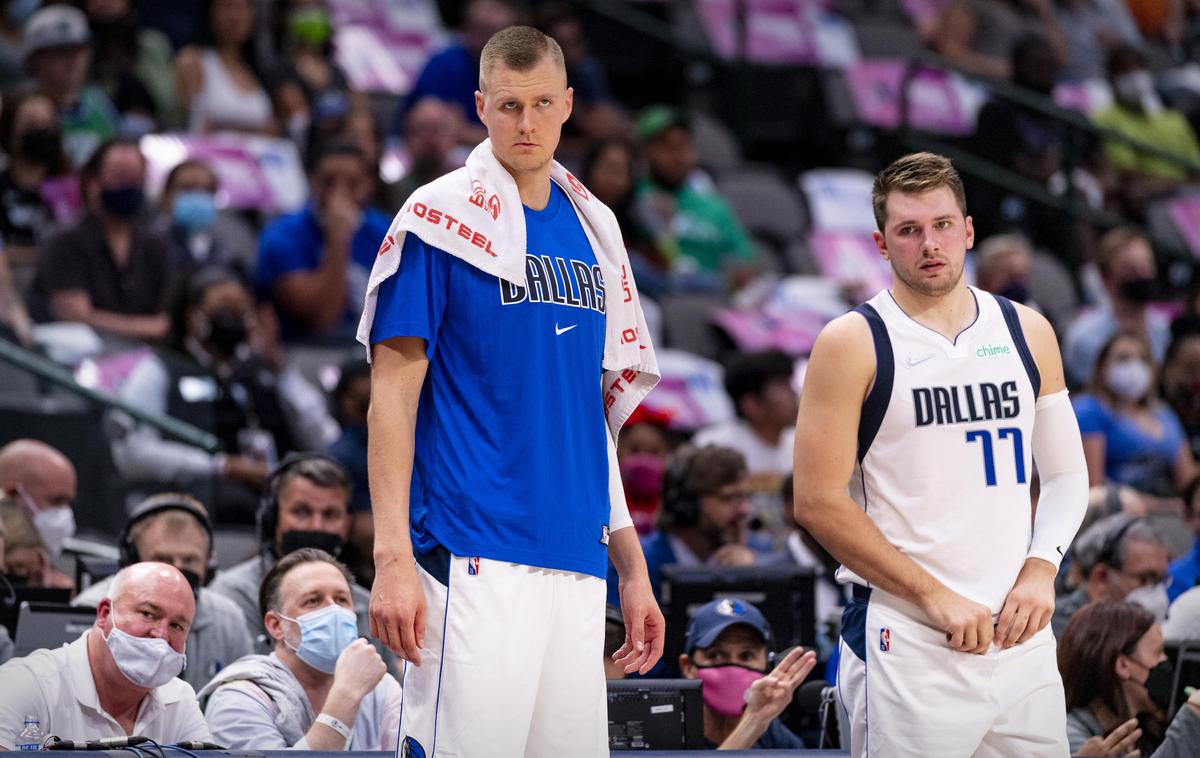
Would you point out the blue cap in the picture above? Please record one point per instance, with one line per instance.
(715, 617)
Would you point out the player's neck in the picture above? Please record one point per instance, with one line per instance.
(947, 314)
(533, 186)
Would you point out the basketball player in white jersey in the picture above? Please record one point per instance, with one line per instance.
(920, 414)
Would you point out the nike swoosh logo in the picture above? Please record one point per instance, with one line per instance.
(916, 361)
(1059, 549)
(564, 330)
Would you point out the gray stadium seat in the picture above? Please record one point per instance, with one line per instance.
(716, 146)
(687, 325)
(766, 204)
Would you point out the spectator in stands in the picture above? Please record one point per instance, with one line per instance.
(218, 80)
(321, 688)
(608, 171)
(614, 638)
(311, 92)
(13, 15)
(109, 268)
(351, 399)
(6, 643)
(1129, 435)
(26, 559)
(694, 228)
(1092, 29)
(1118, 684)
(32, 140)
(1129, 273)
(452, 74)
(132, 65)
(42, 481)
(1003, 267)
(174, 528)
(58, 53)
(1185, 570)
(1181, 377)
(979, 35)
(1120, 557)
(225, 373)
(119, 678)
(15, 323)
(199, 235)
(430, 133)
(642, 454)
(595, 115)
(1137, 112)
(728, 648)
(704, 516)
(314, 264)
(306, 504)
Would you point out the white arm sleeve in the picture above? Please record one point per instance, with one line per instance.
(618, 510)
(1058, 453)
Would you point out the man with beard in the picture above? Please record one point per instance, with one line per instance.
(912, 467)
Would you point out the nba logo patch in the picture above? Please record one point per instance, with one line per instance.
(472, 566)
(604, 534)
(885, 639)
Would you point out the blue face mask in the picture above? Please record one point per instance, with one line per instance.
(194, 210)
(324, 634)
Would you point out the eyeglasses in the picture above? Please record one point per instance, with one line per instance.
(1148, 578)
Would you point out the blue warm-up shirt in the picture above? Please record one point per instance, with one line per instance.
(510, 457)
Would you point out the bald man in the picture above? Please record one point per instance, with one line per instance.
(119, 677)
(42, 480)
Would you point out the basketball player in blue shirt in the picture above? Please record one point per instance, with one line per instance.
(922, 414)
(490, 462)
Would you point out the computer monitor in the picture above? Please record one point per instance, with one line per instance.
(784, 594)
(655, 714)
(13, 594)
(50, 625)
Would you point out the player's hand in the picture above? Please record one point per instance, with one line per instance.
(1119, 742)
(398, 610)
(644, 627)
(359, 669)
(1029, 605)
(968, 625)
(767, 697)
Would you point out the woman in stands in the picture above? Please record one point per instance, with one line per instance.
(1118, 683)
(1130, 436)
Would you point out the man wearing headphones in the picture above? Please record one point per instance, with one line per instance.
(728, 648)
(704, 516)
(174, 528)
(306, 503)
(1120, 557)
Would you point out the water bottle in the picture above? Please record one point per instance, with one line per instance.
(32, 735)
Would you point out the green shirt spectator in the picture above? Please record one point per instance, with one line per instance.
(1166, 129)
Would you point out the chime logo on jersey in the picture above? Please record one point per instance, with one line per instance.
(885, 639)
(557, 280)
(473, 566)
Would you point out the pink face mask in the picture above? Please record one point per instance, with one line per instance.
(725, 688)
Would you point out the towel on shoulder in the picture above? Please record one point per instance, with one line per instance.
(474, 213)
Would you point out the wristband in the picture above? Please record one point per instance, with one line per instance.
(334, 724)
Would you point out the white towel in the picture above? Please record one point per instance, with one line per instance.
(475, 214)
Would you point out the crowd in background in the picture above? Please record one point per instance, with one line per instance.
(211, 303)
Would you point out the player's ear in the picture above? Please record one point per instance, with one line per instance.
(570, 102)
(479, 103)
(880, 243)
(970, 226)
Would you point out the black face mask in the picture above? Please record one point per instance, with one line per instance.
(1159, 684)
(1017, 291)
(295, 539)
(226, 330)
(122, 202)
(42, 146)
(1141, 290)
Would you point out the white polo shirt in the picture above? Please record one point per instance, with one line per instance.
(56, 686)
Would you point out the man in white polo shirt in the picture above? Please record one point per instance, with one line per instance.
(119, 678)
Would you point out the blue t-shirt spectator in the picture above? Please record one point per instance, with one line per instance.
(451, 75)
(350, 450)
(1185, 572)
(1133, 456)
(295, 243)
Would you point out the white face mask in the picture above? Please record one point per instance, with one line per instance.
(148, 662)
(1153, 598)
(54, 525)
(1129, 379)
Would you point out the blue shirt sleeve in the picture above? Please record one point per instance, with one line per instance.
(1091, 415)
(412, 302)
(285, 246)
(779, 737)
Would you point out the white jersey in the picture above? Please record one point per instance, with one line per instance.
(944, 446)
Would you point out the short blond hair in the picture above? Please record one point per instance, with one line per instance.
(913, 174)
(1113, 242)
(518, 48)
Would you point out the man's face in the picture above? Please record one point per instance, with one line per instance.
(62, 69)
(926, 238)
(739, 645)
(671, 157)
(123, 166)
(1010, 267)
(724, 513)
(340, 175)
(524, 112)
(191, 178)
(1181, 379)
(776, 404)
(151, 607)
(643, 438)
(430, 133)
(52, 486)
(1132, 262)
(25, 562)
(307, 507)
(306, 588)
(1145, 566)
(223, 298)
(611, 177)
(186, 550)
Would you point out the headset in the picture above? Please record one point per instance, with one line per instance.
(127, 550)
(679, 502)
(1108, 549)
(268, 505)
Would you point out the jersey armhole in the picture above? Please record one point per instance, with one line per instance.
(880, 394)
(1018, 337)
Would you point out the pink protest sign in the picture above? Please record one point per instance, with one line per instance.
(851, 259)
(382, 47)
(779, 31)
(935, 101)
(1185, 212)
